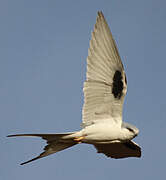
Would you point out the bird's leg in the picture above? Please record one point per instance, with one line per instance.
(78, 139)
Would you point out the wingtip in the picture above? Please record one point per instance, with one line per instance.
(100, 14)
(140, 153)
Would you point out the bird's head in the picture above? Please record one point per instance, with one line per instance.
(131, 129)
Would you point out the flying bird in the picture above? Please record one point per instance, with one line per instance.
(104, 92)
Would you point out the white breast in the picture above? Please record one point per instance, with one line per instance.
(102, 132)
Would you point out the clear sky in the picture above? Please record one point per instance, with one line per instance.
(43, 50)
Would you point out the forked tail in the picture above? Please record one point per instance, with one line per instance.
(55, 143)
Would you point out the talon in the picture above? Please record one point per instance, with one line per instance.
(78, 139)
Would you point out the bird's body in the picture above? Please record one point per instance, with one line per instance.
(104, 92)
(103, 133)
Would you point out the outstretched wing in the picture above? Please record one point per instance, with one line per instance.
(119, 150)
(106, 85)
(54, 144)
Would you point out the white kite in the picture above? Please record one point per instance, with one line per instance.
(104, 92)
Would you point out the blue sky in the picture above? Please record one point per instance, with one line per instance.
(43, 50)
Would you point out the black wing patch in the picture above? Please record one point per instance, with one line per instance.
(117, 85)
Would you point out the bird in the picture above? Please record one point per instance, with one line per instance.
(104, 91)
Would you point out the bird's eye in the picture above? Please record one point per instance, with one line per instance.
(130, 129)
